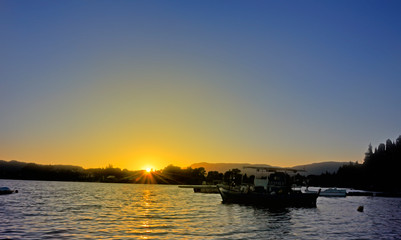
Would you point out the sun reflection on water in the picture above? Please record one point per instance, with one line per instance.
(146, 205)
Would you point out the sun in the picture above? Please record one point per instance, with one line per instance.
(147, 175)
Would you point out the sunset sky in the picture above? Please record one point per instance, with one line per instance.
(140, 84)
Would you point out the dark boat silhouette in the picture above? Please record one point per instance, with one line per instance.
(272, 188)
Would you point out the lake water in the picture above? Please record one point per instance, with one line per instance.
(73, 210)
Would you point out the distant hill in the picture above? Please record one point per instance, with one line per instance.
(322, 167)
(311, 169)
(14, 165)
(224, 167)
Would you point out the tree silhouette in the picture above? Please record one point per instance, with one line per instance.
(379, 171)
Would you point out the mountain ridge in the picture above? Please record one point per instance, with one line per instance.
(310, 169)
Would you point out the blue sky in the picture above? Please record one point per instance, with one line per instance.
(135, 83)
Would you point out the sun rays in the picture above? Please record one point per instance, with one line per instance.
(150, 176)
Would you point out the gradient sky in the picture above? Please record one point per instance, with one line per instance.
(152, 83)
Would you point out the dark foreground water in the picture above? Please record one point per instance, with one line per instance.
(70, 210)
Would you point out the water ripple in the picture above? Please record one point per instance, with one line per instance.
(70, 210)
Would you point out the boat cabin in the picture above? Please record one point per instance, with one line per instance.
(271, 179)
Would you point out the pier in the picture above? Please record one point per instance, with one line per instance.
(202, 188)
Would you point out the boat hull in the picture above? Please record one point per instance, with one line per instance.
(331, 192)
(293, 199)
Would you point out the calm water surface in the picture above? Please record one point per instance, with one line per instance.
(71, 210)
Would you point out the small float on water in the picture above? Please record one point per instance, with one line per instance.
(271, 188)
(6, 190)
